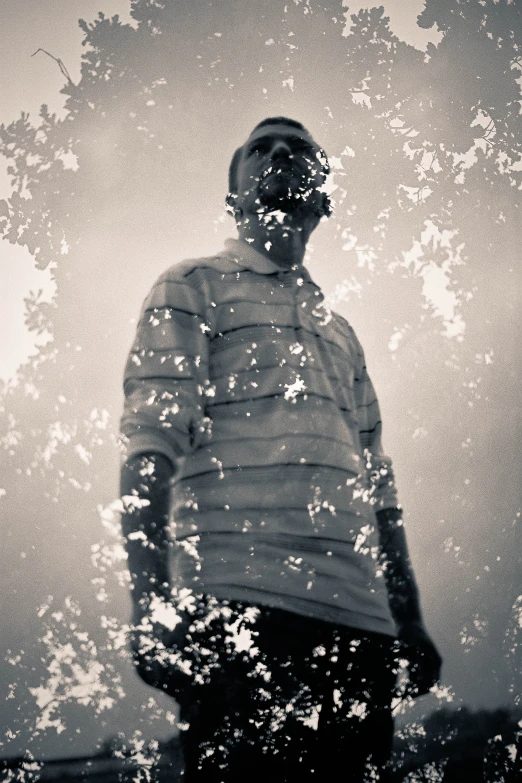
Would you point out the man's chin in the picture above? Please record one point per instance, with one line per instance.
(281, 201)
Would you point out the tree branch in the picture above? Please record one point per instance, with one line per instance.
(62, 67)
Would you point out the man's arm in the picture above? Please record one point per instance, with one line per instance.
(163, 420)
(159, 627)
(403, 595)
(145, 491)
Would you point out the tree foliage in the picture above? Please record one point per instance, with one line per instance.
(426, 150)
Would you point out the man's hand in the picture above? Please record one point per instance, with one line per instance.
(161, 644)
(424, 660)
(159, 636)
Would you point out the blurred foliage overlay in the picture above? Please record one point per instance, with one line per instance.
(452, 746)
(423, 251)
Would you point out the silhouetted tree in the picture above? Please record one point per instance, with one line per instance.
(461, 744)
(107, 197)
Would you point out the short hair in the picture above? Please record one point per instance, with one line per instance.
(234, 163)
(280, 121)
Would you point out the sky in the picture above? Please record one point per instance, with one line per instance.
(30, 81)
(33, 80)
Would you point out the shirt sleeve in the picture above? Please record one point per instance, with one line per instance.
(378, 464)
(166, 375)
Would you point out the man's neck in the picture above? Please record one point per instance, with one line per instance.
(275, 237)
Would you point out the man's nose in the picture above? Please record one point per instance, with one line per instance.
(280, 149)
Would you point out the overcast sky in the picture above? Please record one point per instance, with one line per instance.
(460, 486)
(29, 81)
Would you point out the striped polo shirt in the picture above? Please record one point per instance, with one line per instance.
(258, 394)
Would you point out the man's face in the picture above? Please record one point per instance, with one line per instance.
(280, 169)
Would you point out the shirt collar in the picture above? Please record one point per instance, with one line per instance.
(248, 258)
(244, 255)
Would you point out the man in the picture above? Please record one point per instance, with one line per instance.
(261, 510)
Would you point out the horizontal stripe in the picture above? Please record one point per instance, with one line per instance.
(293, 364)
(306, 473)
(240, 285)
(176, 294)
(238, 407)
(314, 519)
(264, 525)
(316, 532)
(275, 488)
(150, 439)
(273, 572)
(267, 347)
(368, 432)
(278, 419)
(170, 430)
(281, 382)
(229, 315)
(262, 405)
(352, 618)
(243, 454)
(269, 331)
(179, 333)
(167, 312)
(150, 365)
(240, 368)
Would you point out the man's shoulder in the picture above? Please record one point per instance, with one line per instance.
(190, 270)
(190, 284)
(344, 327)
(342, 324)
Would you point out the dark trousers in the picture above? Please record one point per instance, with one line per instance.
(274, 696)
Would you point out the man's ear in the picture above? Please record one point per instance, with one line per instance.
(230, 204)
(326, 209)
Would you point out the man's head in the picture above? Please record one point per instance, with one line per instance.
(279, 168)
